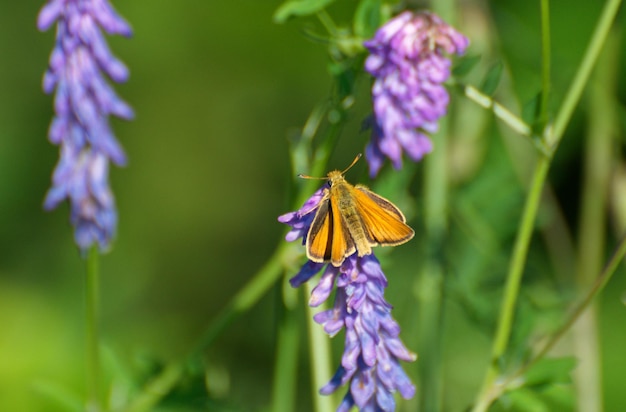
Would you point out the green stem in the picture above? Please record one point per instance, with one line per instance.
(94, 397)
(430, 283)
(505, 115)
(511, 290)
(326, 147)
(320, 354)
(545, 63)
(249, 295)
(584, 71)
(286, 365)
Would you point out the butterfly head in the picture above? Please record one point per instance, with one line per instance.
(334, 177)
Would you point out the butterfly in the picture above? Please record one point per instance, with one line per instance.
(352, 219)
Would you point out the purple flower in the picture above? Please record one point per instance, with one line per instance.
(82, 103)
(373, 350)
(407, 59)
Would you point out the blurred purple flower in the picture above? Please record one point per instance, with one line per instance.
(407, 59)
(373, 349)
(83, 102)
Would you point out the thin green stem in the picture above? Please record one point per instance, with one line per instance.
(522, 242)
(286, 365)
(501, 112)
(320, 354)
(247, 297)
(430, 283)
(336, 115)
(584, 71)
(94, 395)
(545, 63)
(511, 289)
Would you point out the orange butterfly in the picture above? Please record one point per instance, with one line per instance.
(352, 218)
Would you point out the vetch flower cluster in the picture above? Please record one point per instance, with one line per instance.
(373, 350)
(407, 59)
(82, 103)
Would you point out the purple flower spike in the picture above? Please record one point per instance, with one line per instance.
(407, 59)
(83, 102)
(370, 365)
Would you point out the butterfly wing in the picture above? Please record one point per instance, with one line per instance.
(328, 238)
(384, 222)
(319, 238)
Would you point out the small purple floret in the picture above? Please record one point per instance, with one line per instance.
(408, 63)
(83, 102)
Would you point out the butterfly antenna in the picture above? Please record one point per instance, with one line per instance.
(356, 159)
(301, 176)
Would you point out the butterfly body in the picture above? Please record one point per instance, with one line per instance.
(353, 219)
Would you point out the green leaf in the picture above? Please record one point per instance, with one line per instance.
(293, 8)
(492, 79)
(525, 400)
(367, 18)
(530, 109)
(465, 65)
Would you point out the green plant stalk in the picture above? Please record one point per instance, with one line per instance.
(322, 153)
(320, 161)
(320, 355)
(553, 137)
(546, 63)
(94, 394)
(505, 115)
(592, 232)
(511, 289)
(524, 234)
(249, 295)
(429, 285)
(575, 91)
(286, 365)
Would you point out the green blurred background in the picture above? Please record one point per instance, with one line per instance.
(217, 88)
